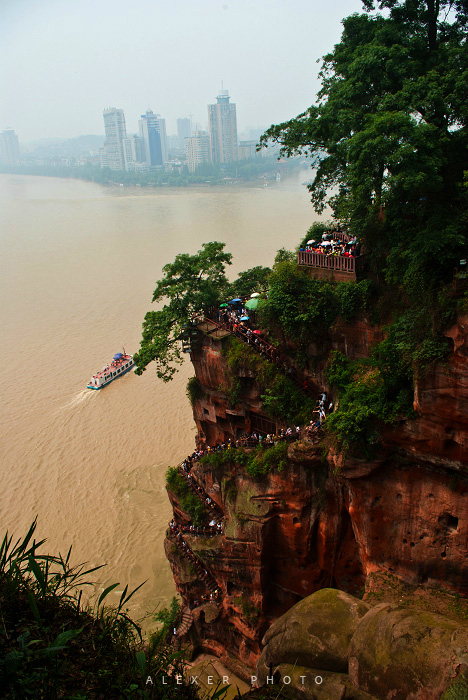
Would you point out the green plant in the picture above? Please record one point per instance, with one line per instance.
(53, 647)
(262, 461)
(457, 691)
(194, 390)
(189, 502)
(250, 611)
(371, 392)
(168, 616)
(316, 231)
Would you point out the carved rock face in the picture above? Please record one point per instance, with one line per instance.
(407, 654)
(315, 633)
(386, 651)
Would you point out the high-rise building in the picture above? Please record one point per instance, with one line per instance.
(184, 130)
(197, 150)
(10, 153)
(134, 153)
(222, 123)
(153, 132)
(116, 133)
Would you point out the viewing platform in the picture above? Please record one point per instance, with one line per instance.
(339, 268)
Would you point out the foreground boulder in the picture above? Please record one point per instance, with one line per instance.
(407, 654)
(332, 646)
(315, 633)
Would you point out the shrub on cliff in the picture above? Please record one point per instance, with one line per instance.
(264, 460)
(282, 399)
(189, 502)
(194, 390)
(371, 391)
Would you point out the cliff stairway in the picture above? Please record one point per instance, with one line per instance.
(212, 508)
(185, 623)
(187, 552)
(215, 329)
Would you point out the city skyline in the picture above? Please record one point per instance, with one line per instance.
(149, 149)
(61, 63)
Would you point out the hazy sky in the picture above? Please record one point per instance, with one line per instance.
(63, 61)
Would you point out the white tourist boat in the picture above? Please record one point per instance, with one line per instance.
(121, 364)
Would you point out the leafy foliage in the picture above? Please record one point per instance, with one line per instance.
(302, 308)
(189, 502)
(282, 399)
(388, 136)
(299, 306)
(190, 283)
(316, 231)
(371, 392)
(168, 616)
(52, 647)
(194, 390)
(253, 280)
(257, 463)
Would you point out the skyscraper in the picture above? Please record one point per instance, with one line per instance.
(153, 132)
(222, 123)
(9, 148)
(116, 133)
(197, 150)
(184, 130)
(134, 153)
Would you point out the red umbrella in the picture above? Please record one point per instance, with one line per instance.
(257, 332)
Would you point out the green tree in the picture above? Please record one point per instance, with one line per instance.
(190, 284)
(388, 136)
(252, 280)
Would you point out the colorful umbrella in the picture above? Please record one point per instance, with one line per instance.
(255, 294)
(223, 306)
(244, 318)
(251, 304)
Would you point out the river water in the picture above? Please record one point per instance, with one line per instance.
(79, 265)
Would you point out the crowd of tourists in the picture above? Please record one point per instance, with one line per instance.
(213, 591)
(334, 243)
(215, 526)
(241, 323)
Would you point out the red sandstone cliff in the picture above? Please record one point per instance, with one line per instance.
(330, 521)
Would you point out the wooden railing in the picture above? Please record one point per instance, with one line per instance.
(340, 263)
(341, 236)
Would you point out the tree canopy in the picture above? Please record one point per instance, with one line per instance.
(388, 136)
(189, 284)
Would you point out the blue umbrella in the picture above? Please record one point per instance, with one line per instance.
(235, 301)
(244, 318)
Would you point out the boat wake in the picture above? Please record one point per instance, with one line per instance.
(79, 398)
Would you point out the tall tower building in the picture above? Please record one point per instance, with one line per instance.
(184, 130)
(197, 150)
(134, 153)
(116, 133)
(153, 132)
(222, 123)
(9, 148)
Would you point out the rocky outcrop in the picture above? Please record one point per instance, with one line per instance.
(383, 652)
(326, 521)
